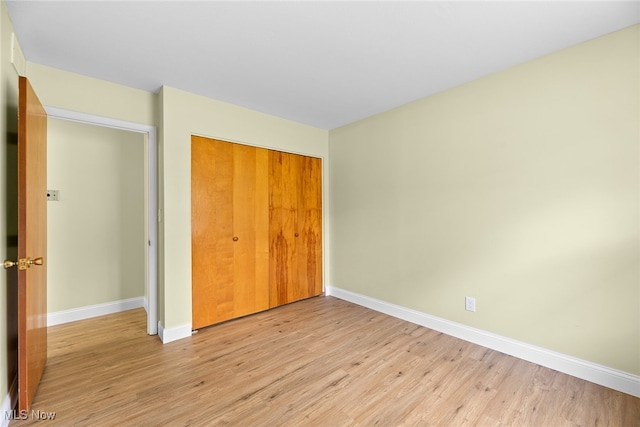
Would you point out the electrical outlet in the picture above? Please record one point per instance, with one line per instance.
(470, 303)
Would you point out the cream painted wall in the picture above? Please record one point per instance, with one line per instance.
(520, 189)
(183, 114)
(8, 214)
(96, 232)
(75, 92)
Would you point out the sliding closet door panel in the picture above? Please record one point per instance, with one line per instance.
(283, 198)
(211, 231)
(250, 230)
(309, 242)
(229, 218)
(295, 227)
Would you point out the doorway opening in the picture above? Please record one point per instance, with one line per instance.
(147, 238)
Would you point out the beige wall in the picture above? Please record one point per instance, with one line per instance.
(183, 114)
(520, 189)
(96, 232)
(75, 92)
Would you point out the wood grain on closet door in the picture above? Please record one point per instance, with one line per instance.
(295, 227)
(309, 240)
(229, 216)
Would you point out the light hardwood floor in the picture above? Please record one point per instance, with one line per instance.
(318, 362)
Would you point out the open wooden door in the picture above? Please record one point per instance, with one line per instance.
(32, 243)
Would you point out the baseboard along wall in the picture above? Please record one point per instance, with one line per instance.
(168, 335)
(583, 369)
(66, 316)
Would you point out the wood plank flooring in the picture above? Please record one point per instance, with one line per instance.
(317, 362)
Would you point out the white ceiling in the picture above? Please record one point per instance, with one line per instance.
(324, 63)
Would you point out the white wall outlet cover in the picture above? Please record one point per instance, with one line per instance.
(470, 303)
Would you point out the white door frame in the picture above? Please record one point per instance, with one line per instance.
(152, 198)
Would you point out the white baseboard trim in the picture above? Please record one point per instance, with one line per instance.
(168, 335)
(66, 316)
(589, 371)
(9, 403)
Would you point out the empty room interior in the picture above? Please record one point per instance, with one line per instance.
(325, 213)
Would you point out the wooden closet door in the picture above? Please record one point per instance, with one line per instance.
(295, 227)
(229, 222)
(309, 239)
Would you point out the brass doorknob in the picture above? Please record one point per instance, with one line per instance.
(37, 261)
(8, 264)
(22, 263)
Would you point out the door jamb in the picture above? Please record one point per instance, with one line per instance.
(152, 196)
